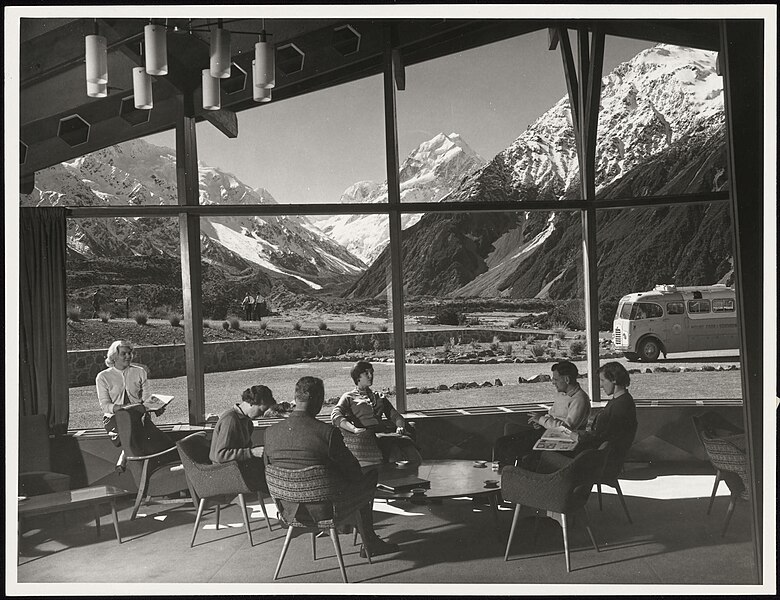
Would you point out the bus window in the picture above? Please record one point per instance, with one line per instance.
(646, 310)
(723, 305)
(698, 306)
(675, 308)
(624, 312)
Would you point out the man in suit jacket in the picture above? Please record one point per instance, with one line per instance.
(302, 441)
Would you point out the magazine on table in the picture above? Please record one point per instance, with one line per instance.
(556, 438)
(403, 484)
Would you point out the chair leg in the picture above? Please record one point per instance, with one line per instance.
(286, 545)
(565, 541)
(244, 514)
(616, 485)
(515, 519)
(141, 489)
(360, 527)
(598, 490)
(197, 520)
(260, 499)
(729, 512)
(314, 545)
(217, 513)
(334, 535)
(587, 527)
(714, 490)
(354, 536)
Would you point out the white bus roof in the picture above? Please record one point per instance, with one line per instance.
(660, 291)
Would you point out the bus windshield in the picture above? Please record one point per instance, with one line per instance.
(634, 311)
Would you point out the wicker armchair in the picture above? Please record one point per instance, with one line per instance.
(216, 481)
(560, 487)
(612, 470)
(149, 455)
(313, 500)
(725, 445)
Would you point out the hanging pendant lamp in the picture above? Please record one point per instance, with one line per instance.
(211, 100)
(96, 53)
(156, 49)
(97, 90)
(142, 89)
(220, 53)
(259, 94)
(265, 59)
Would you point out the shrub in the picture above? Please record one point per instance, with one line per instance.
(383, 327)
(508, 349)
(263, 326)
(576, 347)
(352, 326)
(74, 313)
(174, 319)
(495, 344)
(559, 329)
(141, 317)
(296, 326)
(225, 325)
(235, 323)
(537, 350)
(449, 316)
(104, 316)
(323, 326)
(206, 324)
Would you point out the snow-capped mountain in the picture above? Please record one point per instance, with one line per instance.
(660, 132)
(137, 172)
(429, 174)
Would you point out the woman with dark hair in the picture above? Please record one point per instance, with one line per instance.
(616, 423)
(262, 396)
(362, 409)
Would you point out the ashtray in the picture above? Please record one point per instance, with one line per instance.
(491, 483)
(418, 491)
(480, 464)
(402, 464)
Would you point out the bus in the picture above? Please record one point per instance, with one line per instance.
(675, 319)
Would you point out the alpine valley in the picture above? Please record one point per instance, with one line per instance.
(661, 132)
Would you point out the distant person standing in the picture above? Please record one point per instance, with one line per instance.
(259, 306)
(248, 304)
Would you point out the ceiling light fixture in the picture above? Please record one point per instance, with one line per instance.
(211, 99)
(156, 49)
(265, 69)
(259, 94)
(220, 52)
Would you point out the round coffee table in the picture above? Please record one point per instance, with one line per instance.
(448, 479)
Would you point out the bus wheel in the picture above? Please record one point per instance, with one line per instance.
(631, 356)
(649, 350)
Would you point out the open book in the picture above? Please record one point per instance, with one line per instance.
(556, 438)
(157, 401)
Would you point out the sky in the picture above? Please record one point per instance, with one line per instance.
(313, 147)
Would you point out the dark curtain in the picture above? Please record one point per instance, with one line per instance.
(43, 369)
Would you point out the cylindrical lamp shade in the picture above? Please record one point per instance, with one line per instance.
(259, 94)
(142, 88)
(97, 59)
(210, 91)
(156, 49)
(97, 90)
(220, 53)
(266, 68)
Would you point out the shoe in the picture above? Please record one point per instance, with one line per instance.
(378, 547)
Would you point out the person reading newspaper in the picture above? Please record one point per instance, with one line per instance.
(570, 410)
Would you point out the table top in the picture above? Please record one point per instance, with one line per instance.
(449, 478)
(69, 499)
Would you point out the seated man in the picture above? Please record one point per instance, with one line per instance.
(232, 439)
(570, 410)
(362, 409)
(302, 441)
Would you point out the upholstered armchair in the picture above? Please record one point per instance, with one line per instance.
(217, 482)
(35, 474)
(311, 500)
(560, 486)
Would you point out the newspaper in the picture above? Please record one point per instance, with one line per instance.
(556, 438)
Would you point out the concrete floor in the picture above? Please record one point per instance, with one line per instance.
(447, 548)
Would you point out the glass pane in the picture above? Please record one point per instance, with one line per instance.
(318, 315)
(123, 282)
(670, 264)
(492, 300)
(323, 147)
(137, 172)
(661, 123)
